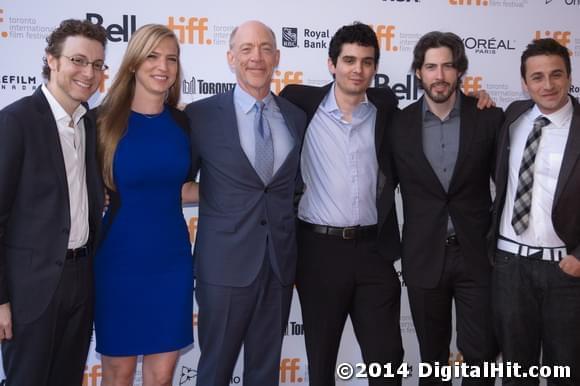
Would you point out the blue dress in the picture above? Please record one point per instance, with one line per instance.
(144, 267)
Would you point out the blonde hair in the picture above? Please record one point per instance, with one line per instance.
(114, 111)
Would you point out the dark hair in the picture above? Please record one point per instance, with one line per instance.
(436, 39)
(546, 46)
(71, 27)
(357, 33)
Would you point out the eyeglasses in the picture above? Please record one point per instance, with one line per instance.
(81, 61)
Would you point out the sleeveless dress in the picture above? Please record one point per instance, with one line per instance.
(143, 269)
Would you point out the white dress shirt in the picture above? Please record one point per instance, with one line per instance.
(540, 232)
(339, 166)
(72, 142)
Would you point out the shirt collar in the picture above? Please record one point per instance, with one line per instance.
(330, 105)
(246, 102)
(454, 110)
(59, 113)
(560, 118)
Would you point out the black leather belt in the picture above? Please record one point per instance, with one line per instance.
(451, 240)
(358, 232)
(77, 253)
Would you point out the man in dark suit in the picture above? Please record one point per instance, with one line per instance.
(246, 144)
(348, 235)
(443, 152)
(50, 206)
(536, 220)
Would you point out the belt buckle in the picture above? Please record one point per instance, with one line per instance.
(349, 233)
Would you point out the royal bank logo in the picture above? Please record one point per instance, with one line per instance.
(289, 37)
(203, 87)
(18, 82)
(187, 376)
(575, 90)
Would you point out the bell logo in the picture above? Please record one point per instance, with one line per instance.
(116, 32)
(484, 3)
(192, 227)
(289, 368)
(386, 37)
(283, 78)
(186, 29)
(562, 37)
(471, 84)
(92, 377)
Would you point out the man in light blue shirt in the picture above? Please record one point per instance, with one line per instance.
(347, 234)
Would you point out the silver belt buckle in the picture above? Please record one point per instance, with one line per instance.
(349, 233)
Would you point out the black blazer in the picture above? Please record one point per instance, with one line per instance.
(426, 204)
(34, 204)
(566, 205)
(308, 98)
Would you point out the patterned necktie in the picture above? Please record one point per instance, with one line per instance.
(264, 161)
(523, 201)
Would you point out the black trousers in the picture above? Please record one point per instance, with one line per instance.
(432, 316)
(536, 311)
(337, 278)
(52, 350)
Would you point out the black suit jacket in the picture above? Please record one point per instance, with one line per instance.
(308, 98)
(34, 204)
(426, 204)
(566, 205)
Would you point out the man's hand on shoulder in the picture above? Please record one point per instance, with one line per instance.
(484, 100)
(5, 322)
(570, 265)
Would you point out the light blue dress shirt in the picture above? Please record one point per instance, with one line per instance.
(339, 166)
(245, 113)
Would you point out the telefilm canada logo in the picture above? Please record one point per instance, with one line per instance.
(18, 82)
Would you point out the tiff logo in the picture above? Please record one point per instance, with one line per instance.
(471, 84)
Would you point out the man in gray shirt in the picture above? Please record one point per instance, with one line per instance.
(443, 152)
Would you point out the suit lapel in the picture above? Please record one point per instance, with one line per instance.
(571, 153)
(229, 125)
(380, 125)
(467, 121)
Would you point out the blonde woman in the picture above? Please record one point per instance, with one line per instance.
(144, 266)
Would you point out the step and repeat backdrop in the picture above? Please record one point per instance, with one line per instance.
(494, 32)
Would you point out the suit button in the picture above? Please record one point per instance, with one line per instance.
(263, 222)
(266, 190)
(65, 231)
(59, 263)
